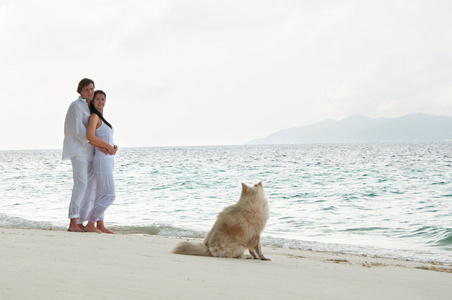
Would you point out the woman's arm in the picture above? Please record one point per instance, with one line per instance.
(94, 123)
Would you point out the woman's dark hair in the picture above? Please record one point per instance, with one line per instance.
(94, 110)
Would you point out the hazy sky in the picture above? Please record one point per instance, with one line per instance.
(219, 72)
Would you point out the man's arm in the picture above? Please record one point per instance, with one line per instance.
(74, 121)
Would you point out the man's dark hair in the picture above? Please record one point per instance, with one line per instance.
(84, 82)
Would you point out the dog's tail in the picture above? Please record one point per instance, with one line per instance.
(192, 249)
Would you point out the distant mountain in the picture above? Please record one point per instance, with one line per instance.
(358, 128)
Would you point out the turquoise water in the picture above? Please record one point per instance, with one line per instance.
(386, 199)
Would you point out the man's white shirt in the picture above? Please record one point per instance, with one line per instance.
(75, 125)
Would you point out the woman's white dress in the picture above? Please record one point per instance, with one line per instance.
(103, 166)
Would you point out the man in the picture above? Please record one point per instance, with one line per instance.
(77, 148)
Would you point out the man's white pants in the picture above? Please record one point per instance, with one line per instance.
(83, 175)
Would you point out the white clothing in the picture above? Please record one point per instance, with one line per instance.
(90, 195)
(83, 175)
(77, 148)
(103, 166)
(75, 125)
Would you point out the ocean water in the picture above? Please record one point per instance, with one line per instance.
(385, 199)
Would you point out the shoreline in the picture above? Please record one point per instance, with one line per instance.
(430, 255)
(53, 264)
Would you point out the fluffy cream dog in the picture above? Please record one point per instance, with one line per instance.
(238, 227)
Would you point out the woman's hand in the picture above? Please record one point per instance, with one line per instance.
(103, 150)
(112, 149)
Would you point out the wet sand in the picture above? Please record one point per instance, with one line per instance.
(50, 264)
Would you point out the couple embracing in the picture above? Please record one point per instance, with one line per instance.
(88, 143)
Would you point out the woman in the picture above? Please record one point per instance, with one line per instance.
(100, 134)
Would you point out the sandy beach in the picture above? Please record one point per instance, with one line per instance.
(51, 264)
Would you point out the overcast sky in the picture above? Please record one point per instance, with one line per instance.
(180, 73)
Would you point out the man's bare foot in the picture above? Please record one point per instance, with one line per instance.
(101, 227)
(75, 229)
(73, 226)
(91, 228)
(81, 227)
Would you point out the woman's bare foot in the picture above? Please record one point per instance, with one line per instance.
(101, 227)
(91, 228)
(105, 230)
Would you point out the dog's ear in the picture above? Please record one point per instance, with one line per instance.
(244, 187)
(258, 184)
